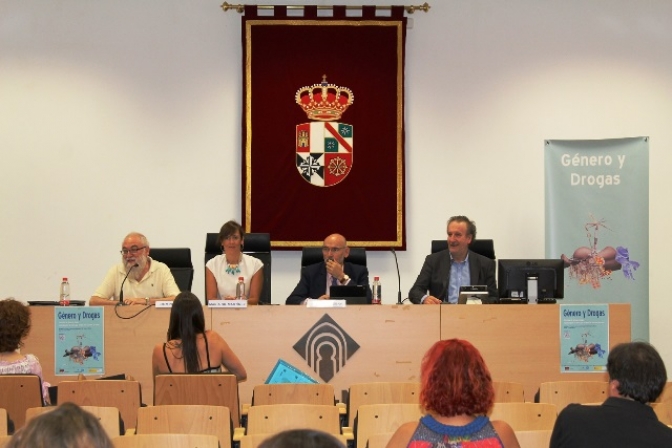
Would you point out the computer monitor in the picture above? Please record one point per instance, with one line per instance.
(514, 276)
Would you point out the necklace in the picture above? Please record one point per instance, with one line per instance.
(232, 268)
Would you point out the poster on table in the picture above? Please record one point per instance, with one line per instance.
(79, 340)
(584, 338)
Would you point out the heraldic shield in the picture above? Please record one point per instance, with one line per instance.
(324, 152)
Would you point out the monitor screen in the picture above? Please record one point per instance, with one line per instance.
(513, 278)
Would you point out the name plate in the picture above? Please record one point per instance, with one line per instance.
(227, 304)
(315, 303)
(163, 304)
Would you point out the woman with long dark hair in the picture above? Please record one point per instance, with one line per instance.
(190, 347)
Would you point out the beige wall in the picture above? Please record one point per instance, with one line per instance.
(119, 116)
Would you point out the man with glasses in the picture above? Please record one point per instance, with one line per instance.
(146, 282)
(317, 278)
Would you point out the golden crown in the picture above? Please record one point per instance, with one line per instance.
(324, 101)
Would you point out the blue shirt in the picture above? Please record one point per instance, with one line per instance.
(459, 276)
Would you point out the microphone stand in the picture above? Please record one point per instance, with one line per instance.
(396, 262)
(121, 292)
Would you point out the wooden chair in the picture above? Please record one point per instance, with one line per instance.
(663, 412)
(525, 416)
(667, 394)
(379, 440)
(3, 422)
(380, 393)
(381, 418)
(562, 393)
(271, 419)
(534, 439)
(506, 392)
(107, 416)
(186, 419)
(4, 441)
(213, 389)
(124, 395)
(167, 441)
(254, 440)
(18, 393)
(290, 393)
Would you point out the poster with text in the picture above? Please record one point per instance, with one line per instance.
(79, 340)
(584, 338)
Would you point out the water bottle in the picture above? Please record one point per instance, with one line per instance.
(64, 299)
(376, 299)
(240, 289)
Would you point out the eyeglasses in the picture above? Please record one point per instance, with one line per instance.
(331, 250)
(133, 250)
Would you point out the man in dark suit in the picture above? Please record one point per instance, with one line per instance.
(637, 377)
(444, 272)
(317, 278)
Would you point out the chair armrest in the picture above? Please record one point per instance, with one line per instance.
(348, 433)
(246, 409)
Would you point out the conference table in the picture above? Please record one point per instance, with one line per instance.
(342, 346)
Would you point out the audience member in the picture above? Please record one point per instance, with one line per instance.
(456, 393)
(317, 278)
(148, 280)
(637, 376)
(190, 348)
(14, 328)
(302, 438)
(68, 426)
(222, 271)
(443, 273)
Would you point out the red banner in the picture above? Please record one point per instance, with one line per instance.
(323, 127)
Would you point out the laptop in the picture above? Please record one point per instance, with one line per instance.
(352, 294)
(55, 303)
(474, 293)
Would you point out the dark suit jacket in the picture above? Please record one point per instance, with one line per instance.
(618, 422)
(313, 283)
(436, 271)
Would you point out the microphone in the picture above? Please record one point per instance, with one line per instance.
(399, 302)
(121, 292)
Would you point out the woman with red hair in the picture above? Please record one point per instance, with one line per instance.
(456, 394)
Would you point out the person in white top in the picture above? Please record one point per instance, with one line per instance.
(222, 272)
(148, 280)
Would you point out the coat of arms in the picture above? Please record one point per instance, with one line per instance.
(324, 148)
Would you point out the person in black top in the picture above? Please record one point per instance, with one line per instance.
(637, 377)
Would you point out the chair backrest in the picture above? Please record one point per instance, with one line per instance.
(257, 245)
(481, 247)
(667, 394)
(562, 393)
(290, 393)
(18, 393)
(380, 393)
(379, 440)
(663, 412)
(254, 440)
(167, 441)
(534, 438)
(124, 395)
(214, 389)
(312, 255)
(4, 441)
(506, 392)
(186, 419)
(525, 416)
(179, 261)
(107, 416)
(3, 422)
(271, 419)
(380, 418)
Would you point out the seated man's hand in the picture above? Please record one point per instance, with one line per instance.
(335, 269)
(323, 297)
(431, 300)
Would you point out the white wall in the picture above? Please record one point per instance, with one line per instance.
(125, 115)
